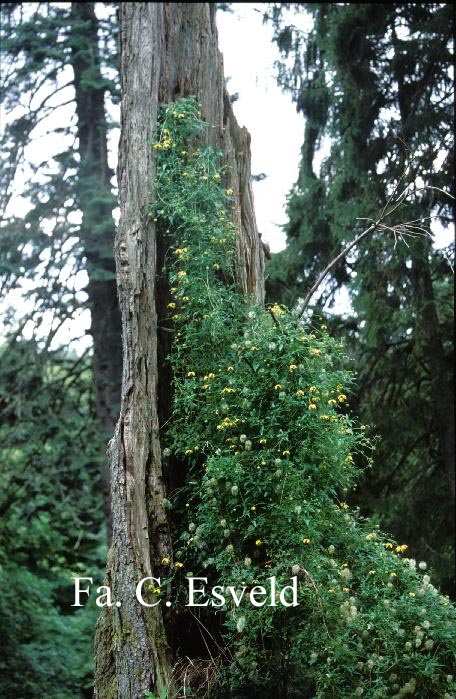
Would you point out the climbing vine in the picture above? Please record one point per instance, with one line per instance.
(261, 423)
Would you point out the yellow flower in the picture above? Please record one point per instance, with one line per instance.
(388, 546)
(349, 458)
(156, 146)
(185, 298)
(278, 386)
(323, 327)
(342, 397)
(300, 393)
(230, 368)
(277, 310)
(401, 549)
(411, 594)
(216, 176)
(372, 572)
(171, 305)
(311, 406)
(166, 561)
(258, 542)
(230, 192)
(332, 402)
(306, 541)
(185, 174)
(175, 316)
(286, 453)
(216, 265)
(346, 589)
(228, 390)
(317, 352)
(211, 375)
(189, 451)
(324, 417)
(313, 389)
(393, 575)
(292, 367)
(191, 373)
(179, 565)
(263, 441)
(182, 273)
(330, 589)
(344, 565)
(206, 385)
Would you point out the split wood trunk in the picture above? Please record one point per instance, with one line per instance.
(168, 50)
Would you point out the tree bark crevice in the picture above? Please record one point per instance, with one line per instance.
(168, 50)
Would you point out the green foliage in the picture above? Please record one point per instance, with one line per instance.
(58, 65)
(51, 522)
(43, 246)
(260, 420)
(38, 640)
(163, 694)
(375, 81)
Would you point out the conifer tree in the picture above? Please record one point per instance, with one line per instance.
(58, 404)
(55, 81)
(374, 81)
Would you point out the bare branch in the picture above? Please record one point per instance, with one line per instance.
(401, 231)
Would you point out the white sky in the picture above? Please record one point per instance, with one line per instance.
(276, 129)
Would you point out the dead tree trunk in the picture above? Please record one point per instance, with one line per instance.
(168, 50)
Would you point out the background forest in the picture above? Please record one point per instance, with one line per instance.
(374, 85)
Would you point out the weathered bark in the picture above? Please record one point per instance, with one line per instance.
(193, 65)
(168, 50)
(97, 227)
